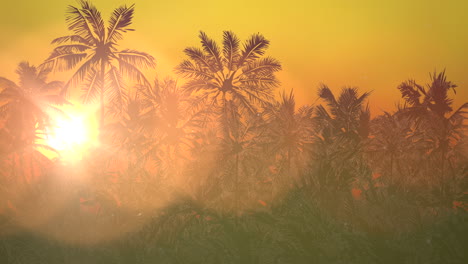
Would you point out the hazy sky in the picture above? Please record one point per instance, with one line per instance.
(371, 44)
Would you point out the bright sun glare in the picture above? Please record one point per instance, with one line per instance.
(72, 134)
(68, 133)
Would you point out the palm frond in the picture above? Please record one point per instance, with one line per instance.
(94, 18)
(460, 113)
(79, 75)
(72, 39)
(364, 122)
(246, 105)
(326, 94)
(193, 86)
(137, 58)
(211, 48)
(265, 82)
(288, 103)
(27, 75)
(199, 58)
(130, 70)
(230, 49)
(322, 114)
(349, 100)
(71, 48)
(187, 69)
(119, 21)
(253, 49)
(91, 86)
(305, 111)
(7, 84)
(79, 23)
(263, 66)
(261, 96)
(437, 96)
(63, 61)
(411, 92)
(116, 88)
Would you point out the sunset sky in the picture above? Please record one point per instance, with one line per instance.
(373, 45)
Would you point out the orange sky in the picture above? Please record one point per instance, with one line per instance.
(370, 44)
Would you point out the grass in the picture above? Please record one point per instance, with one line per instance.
(301, 228)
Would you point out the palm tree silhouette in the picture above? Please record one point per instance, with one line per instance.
(128, 134)
(240, 148)
(339, 135)
(393, 146)
(235, 74)
(431, 109)
(25, 108)
(167, 122)
(347, 116)
(25, 105)
(289, 131)
(93, 49)
(230, 85)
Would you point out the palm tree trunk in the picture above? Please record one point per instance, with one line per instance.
(225, 129)
(443, 181)
(103, 71)
(288, 165)
(391, 168)
(236, 194)
(444, 143)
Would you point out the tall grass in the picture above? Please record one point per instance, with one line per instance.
(301, 228)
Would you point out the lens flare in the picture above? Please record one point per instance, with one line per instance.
(72, 133)
(69, 133)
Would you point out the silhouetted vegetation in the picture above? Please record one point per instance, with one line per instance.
(219, 166)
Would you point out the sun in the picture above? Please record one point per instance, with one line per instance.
(68, 133)
(72, 133)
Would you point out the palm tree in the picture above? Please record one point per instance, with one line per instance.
(347, 116)
(230, 85)
(24, 111)
(431, 109)
(220, 163)
(339, 135)
(128, 134)
(217, 77)
(289, 131)
(395, 146)
(240, 148)
(93, 49)
(25, 106)
(167, 122)
(154, 127)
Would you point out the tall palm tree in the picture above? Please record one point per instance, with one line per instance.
(154, 127)
(93, 49)
(230, 85)
(167, 122)
(431, 108)
(25, 106)
(289, 131)
(24, 111)
(339, 135)
(240, 151)
(128, 134)
(347, 117)
(395, 147)
(219, 76)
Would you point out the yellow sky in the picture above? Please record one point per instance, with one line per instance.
(371, 44)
